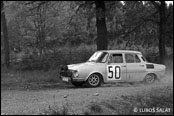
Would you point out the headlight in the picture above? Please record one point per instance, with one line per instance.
(64, 67)
(75, 73)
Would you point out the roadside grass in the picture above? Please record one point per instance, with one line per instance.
(55, 111)
(12, 79)
(65, 109)
(154, 102)
(96, 108)
(157, 101)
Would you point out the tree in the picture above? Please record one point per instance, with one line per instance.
(5, 35)
(101, 25)
(162, 32)
(161, 8)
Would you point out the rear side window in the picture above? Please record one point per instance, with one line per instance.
(144, 59)
(137, 59)
(132, 58)
(116, 58)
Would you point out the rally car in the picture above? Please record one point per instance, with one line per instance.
(106, 66)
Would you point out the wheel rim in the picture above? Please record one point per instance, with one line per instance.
(94, 80)
(150, 78)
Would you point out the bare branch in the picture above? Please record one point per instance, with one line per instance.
(135, 28)
(30, 2)
(79, 7)
(168, 14)
(152, 20)
(38, 4)
(157, 5)
(148, 18)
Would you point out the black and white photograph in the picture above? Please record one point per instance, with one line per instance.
(87, 57)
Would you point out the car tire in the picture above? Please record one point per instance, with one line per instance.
(150, 78)
(77, 84)
(94, 80)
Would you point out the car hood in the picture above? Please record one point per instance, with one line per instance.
(80, 65)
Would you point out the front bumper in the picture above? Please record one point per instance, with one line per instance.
(70, 79)
(65, 79)
(67, 76)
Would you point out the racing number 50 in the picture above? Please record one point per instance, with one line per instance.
(114, 72)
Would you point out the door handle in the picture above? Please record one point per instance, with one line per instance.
(141, 65)
(123, 66)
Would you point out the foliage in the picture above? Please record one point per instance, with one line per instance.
(40, 28)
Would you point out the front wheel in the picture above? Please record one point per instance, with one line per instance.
(94, 80)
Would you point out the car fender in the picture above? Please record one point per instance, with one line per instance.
(154, 72)
(93, 73)
(158, 70)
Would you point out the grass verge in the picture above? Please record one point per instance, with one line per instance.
(155, 102)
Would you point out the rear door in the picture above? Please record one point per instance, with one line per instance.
(135, 68)
(116, 68)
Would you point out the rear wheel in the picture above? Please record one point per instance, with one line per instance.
(94, 80)
(150, 78)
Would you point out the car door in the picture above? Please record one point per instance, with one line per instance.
(135, 68)
(116, 68)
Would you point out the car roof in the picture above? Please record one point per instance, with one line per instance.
(121, 51)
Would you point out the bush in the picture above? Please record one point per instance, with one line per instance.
(76, 54)
(62, 56)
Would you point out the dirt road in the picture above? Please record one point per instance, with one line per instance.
(78, 99)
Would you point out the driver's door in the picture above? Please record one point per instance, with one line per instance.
(116, 68)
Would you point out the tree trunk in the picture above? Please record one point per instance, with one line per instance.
(5, 35)
(162, 32)
(101, 26)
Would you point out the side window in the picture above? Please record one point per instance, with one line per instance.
(129, 58)
(132, 58)
(137, 60)
(116, 58)
(144, 59)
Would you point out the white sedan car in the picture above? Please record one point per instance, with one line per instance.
(112, 66)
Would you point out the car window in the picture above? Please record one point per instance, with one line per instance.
(137, 59)
(144, 59)
(132, 58)
(102, 57)
(98, 57)
(105, 58)
(116, 58)
(95, 56)
(129, 58)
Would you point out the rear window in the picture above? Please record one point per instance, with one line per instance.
(132, 58)
(143, 59)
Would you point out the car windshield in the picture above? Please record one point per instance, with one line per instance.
(98, 57)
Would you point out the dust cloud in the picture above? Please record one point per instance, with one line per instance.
(168, 77)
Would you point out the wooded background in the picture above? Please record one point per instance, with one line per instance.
(45, 34)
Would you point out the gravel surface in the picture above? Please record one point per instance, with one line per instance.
(78, 99)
